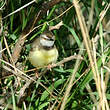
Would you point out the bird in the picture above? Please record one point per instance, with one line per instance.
(43, 50)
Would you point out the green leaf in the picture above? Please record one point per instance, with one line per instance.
(13, 98)
(58, 82)
(37, 102)
(60, 70)
(74, 34)
(43, 105)
(45, 94)
(13, 36)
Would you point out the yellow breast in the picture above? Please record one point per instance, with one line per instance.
(42, 57)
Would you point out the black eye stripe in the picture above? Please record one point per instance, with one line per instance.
(51, 39)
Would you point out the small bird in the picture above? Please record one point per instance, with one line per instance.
(43, 50)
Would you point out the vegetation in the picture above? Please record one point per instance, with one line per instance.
(79, 80)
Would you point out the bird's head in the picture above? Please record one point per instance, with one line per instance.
(47, 39)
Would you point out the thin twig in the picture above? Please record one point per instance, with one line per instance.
(66, 60)
(44, 8)
(25, 77)
(102, 14)
(1, 8)
(19, 9)
(50, 20)
(78, 61)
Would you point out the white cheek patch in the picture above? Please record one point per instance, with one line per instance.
(46, 43)
(44, 36)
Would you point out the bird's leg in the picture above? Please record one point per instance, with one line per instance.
(36, 73)
(49, 67)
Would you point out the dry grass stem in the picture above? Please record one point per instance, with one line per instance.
(80, 77)
(91, 14)
(72, 77)
(52, 19)
(67, 60)
(30, 3)
(88, 47)
(57, 26)
(90, 93)
(102, 14)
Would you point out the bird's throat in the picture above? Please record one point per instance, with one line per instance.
(47, 44)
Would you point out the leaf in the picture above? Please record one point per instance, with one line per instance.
(43, 105)
(13, 36)
(74, 34)
(45, 94)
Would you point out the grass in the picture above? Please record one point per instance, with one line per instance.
(80, 78)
